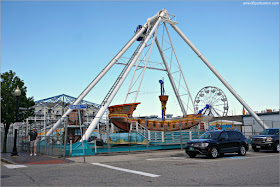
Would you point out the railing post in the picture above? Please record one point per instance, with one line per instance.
(190, 135)
(181, 140)
(95, 148)
(162, 136)
(146, 133)
(254, 127)
(70, 147)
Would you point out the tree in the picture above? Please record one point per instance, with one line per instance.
(9, 82)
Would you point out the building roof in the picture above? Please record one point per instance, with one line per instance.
(62, 100)
(262, 114)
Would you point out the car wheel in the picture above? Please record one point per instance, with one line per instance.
(242, 150)
(192, 155)
(256, 149)
(213, 152)
(276, 147)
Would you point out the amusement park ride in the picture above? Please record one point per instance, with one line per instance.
(121, 115)
(211, 101)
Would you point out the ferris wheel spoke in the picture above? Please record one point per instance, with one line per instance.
(216, 99)
(220, 112)
(211, 113)
(212, 97)
(217, 109)
(219, 105)
(216, 112)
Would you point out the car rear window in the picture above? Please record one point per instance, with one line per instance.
(270, 131)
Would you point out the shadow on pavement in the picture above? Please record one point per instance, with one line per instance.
(25, 158)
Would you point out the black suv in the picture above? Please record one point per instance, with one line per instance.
(268, 139)
(218, 142)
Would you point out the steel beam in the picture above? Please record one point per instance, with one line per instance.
(219, 76)
(104, 107)
(171, 79)
(98, 78)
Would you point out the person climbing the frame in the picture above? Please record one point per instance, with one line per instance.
(32, 138)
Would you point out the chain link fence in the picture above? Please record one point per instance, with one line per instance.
(103, 141)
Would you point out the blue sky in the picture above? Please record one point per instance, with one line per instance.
(59, 47)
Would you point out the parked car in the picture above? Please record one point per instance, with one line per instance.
(217, 143)
(268, 139)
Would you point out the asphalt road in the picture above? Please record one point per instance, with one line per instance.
(157, 168)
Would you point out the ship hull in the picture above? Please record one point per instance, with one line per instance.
(121, 116)
(124, 123)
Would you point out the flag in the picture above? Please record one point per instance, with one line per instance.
(243, 111)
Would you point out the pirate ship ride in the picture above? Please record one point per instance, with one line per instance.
(122, 117)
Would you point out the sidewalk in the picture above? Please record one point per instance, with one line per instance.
(128, 156)
(25, 158)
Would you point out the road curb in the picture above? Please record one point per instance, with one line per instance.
(7, 161)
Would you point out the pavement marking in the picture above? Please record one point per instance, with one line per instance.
(127, 170)
(236, 157)
(262, 156)
(172, 159)
(13, 166)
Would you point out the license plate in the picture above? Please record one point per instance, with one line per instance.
(258, 146)
(191, 148)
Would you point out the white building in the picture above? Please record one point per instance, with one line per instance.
(251, 126)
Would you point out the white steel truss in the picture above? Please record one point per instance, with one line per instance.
(149, 31)
(170, 65)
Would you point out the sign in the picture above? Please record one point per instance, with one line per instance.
(78, 107)
(16, 125)
(20, 108)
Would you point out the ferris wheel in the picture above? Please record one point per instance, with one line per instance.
(211, 101)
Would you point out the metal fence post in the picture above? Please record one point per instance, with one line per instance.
(129, 137)
(181, 140)
(65, 135)
(253, 127)
(80, 122)
(148, 136)
(39, 139)
(108, 132)
(164, 138)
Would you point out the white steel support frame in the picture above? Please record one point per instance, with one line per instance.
(101, 74)
(227, 85)
(131, 82)
(171, 79)
(146, 65)
(143, 72)
(151, 22)
(180, 67)
(115, 90)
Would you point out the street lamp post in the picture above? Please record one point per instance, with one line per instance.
(17, 94)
